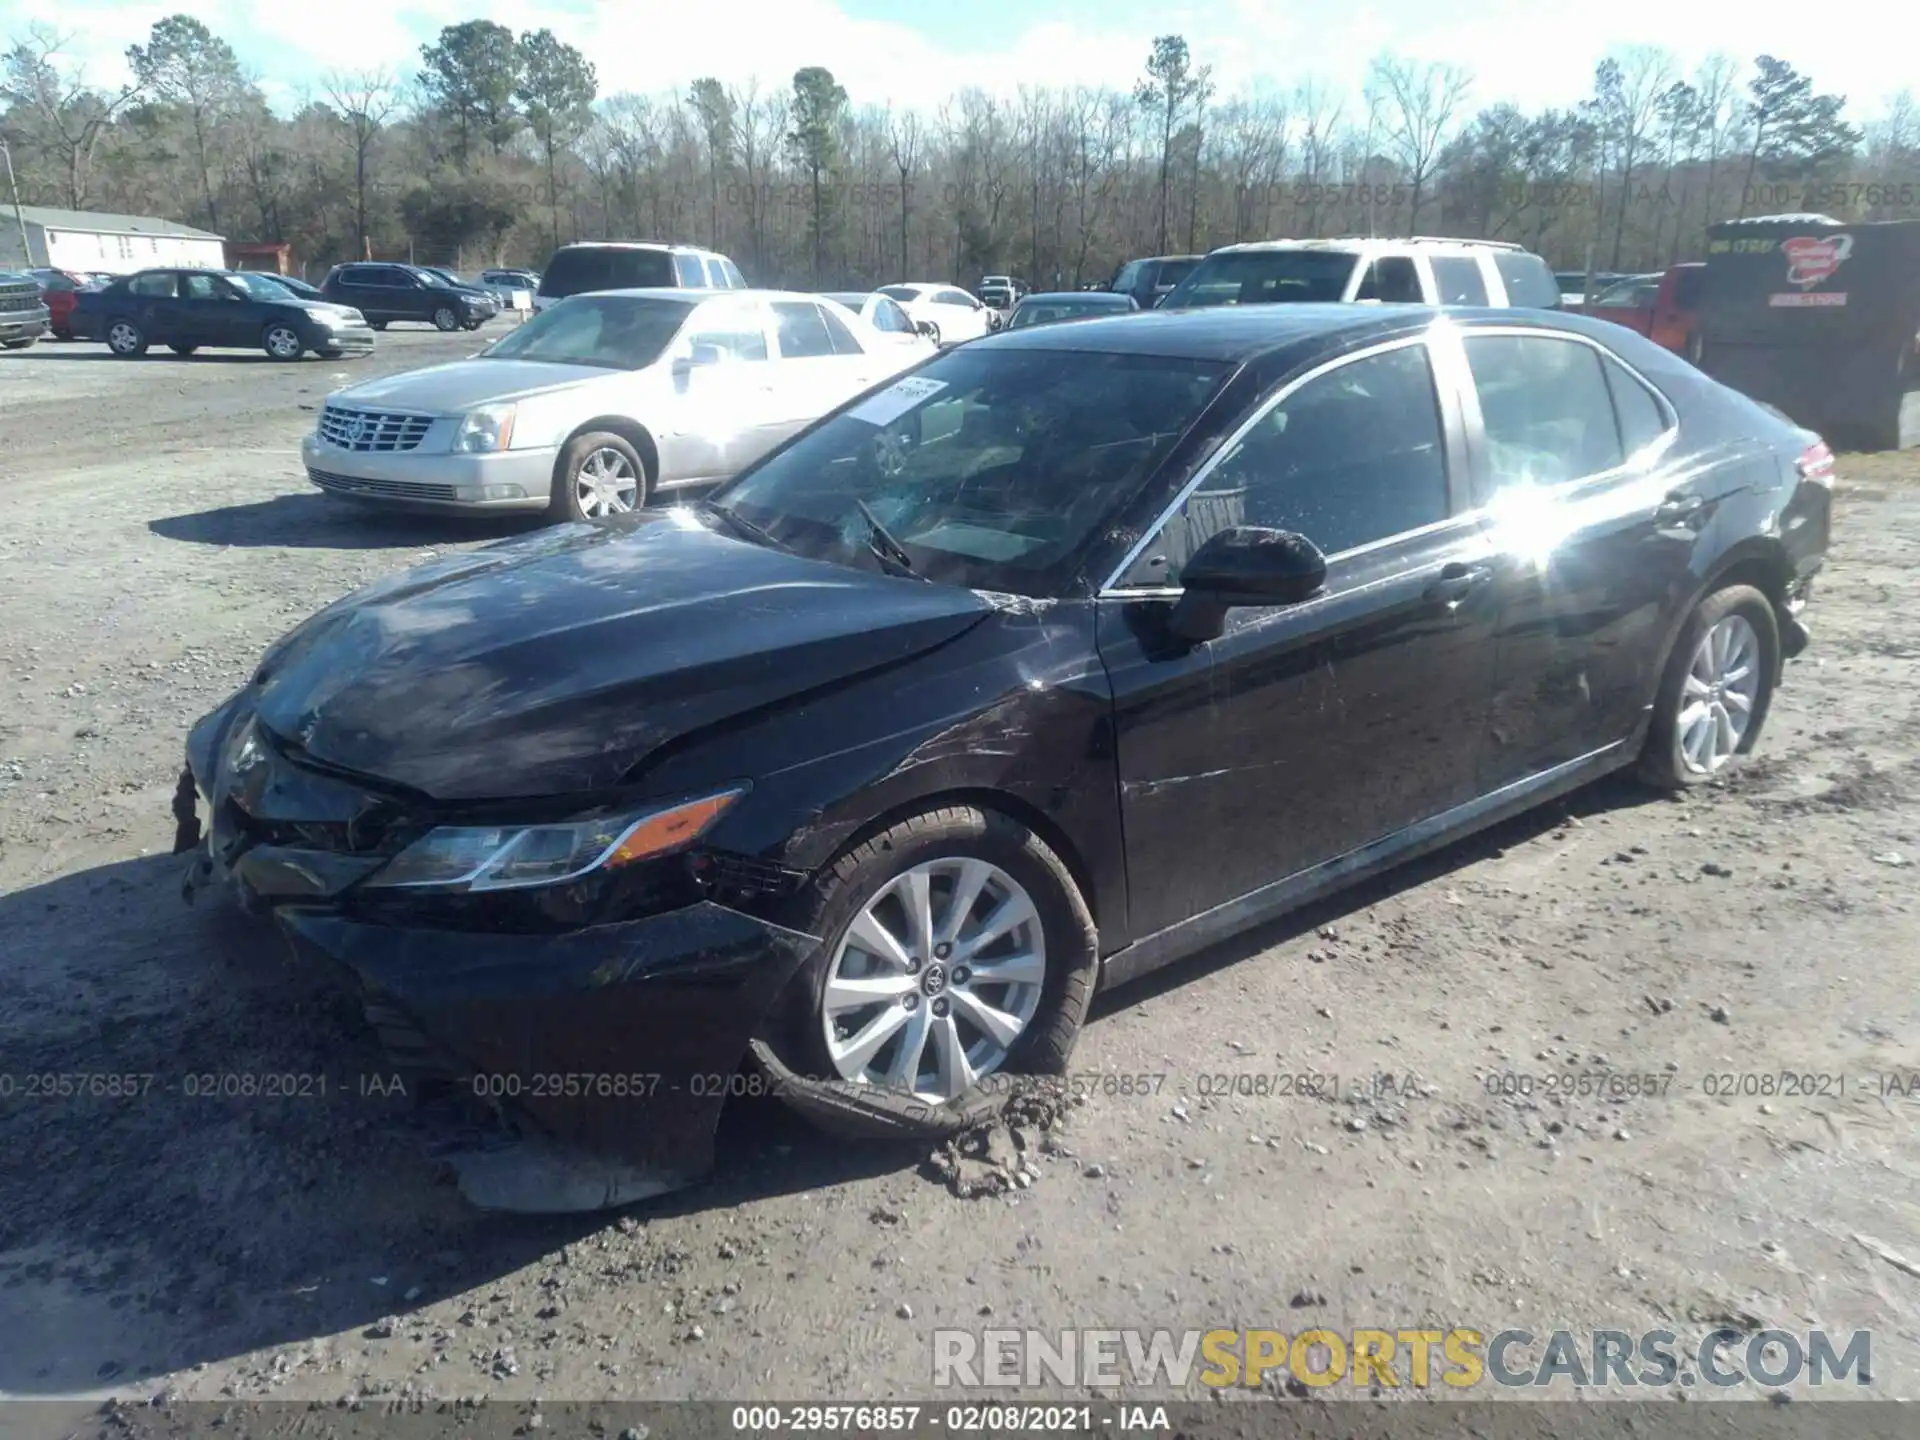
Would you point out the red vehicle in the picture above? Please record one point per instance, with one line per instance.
(59, 290)
(1664, 308)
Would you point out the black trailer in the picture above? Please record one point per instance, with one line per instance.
(1821, 320)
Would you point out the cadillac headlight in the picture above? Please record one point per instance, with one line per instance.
(485, 430)
(515, 857)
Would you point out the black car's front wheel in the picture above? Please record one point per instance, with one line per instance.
(446, 318)
(1718, 686)
(957, 947)
(283, 342)
(126, 339)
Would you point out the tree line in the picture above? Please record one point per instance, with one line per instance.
(492, 147)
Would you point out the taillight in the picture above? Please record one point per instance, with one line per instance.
(1816, 464)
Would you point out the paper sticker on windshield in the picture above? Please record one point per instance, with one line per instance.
(894, 401)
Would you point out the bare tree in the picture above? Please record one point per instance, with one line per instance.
(903, 146)
(1419, 104)
(364, 99)
(64, 116)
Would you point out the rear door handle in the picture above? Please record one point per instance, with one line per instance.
(1458, 580)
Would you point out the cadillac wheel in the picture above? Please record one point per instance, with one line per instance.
(599, 474)
(957, 946)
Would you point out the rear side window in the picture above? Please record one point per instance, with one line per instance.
(844, 341)
(574, 272)
(1642, 421)
(1547, 411)
(158, 285)
(716, 272)
(803, 330)
(1530, 285)
(1458, 280)
(735, 280)
(688, 270)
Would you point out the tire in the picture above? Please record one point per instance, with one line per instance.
(1696, 348)
(609, 452)
(62, 334)
(473, 325)
(377, 324)
(282, 342)
(840, 895)
(125, 338)
(183, 350)
(446, 318)
(1665, 761)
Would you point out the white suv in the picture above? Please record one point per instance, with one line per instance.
(1420, 271)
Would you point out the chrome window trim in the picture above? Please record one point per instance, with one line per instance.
(1639, 460)
(1441, 383)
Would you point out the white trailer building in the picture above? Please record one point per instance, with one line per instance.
(118, 244)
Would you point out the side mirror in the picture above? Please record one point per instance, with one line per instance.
(699, 358)
(1245, 565)
(926, 328)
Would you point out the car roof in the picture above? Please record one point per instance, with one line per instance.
(1363, 245)
(1243, 333)
(697, 294)
(1094, 297)
(640, 245)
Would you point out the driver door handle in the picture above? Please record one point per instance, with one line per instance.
(1458, 579)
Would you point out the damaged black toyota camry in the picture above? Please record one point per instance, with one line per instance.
(1069, 653)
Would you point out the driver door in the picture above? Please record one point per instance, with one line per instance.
(721, 372)
(1307, 732)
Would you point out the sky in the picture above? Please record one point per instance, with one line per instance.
(1534, 53)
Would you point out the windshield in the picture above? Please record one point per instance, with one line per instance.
(614, 332)
(1265, 277)
(1032, 314)
(992, 468)
(260, 287)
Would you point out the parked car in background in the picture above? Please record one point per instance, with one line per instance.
(1574, 285)
(23, 311)
(293, 283)
(504, 285)
(1665, 308)
(1150, 280)
(951, 313)
(874, 768)
(1420, 271)
(1046, 309)
(890, 322)
(59, 292)
(599, 403)
(188, 310)
(387, 293)
(1001, 292)
(592, 265)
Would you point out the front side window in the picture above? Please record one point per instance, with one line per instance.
(1546, 410)
(609, 332)
(1392, 280)
(1264, 277)
(1354, 456)
(689, 271)
(1458, 280)
(737, 332)
(197, 287)
(890, 319)
(991, 468)
(803, 332)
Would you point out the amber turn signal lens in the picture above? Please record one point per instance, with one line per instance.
(669, 830)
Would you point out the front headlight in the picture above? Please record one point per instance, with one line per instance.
(514, 857)
(487, 429)
(322, 315)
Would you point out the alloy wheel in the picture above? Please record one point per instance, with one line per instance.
(606, 484)
(1717, 697)
(283, 343)
(935, 980)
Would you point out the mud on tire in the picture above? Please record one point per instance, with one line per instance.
(792, 1046)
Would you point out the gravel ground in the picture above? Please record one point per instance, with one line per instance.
(156, 534)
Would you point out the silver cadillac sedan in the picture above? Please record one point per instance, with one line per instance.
(600, 403)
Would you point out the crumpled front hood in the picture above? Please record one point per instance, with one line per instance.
(553, 665)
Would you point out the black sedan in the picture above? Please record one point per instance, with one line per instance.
(187, 310)
(1069, 305)
(867, 771)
